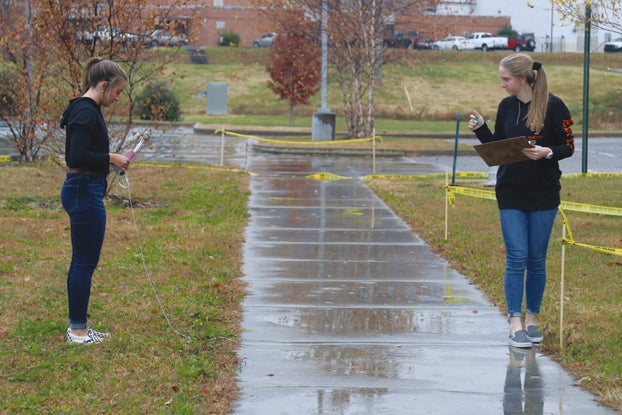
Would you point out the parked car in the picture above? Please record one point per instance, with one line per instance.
(408, 39)
(614, 46)
(523, 41)
(265, 40)
(486, 41)
(453, 43)
(109, 34)
(159, 37)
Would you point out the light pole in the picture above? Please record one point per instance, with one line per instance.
(586, 83)
(323, 125)
(552, 24)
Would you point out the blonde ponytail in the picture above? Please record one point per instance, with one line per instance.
(521, 65)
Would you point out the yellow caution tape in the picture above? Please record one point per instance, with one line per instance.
(592, 175)
(353, 212)
(391, 176)
(569, 240)
(467, 174)
(571, 206)
(577, 207)
(327, 176)
(602, 249)
(464, 175)
(451, 196)
(301, 143)
(583, 207)
(5, 159)
(467, 191)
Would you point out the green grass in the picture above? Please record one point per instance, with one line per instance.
(439, 84)
(191, 223)
(591, 344)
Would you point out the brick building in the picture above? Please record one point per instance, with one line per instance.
(216, 17)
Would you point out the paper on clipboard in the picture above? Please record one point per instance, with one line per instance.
(507, 151)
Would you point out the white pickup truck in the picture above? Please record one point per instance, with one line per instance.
(485, 41)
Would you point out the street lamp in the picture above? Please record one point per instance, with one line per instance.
(552, 24)
(323, 123)
(548, 43)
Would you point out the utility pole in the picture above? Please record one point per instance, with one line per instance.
(323, 125)
(586, 83)
(552, 24)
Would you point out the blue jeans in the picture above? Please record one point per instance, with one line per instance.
(526, 236)
(82, 197)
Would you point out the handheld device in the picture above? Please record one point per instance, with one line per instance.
(132, 153)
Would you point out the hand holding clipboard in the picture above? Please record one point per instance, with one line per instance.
(507, 151)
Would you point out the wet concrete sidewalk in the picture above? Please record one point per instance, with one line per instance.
(349, 312)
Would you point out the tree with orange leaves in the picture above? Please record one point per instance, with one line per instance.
(294, 66)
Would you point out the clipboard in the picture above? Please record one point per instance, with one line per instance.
(505, 151)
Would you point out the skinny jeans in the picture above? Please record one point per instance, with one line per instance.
(82, 197)
(526, 237)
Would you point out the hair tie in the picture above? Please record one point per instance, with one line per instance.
(536, 66)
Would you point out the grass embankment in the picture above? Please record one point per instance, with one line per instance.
(191, 223)
(420, 90)
(592, 342)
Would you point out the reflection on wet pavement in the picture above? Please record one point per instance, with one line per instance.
(522, 392)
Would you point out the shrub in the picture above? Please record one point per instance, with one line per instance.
(157, 102)
(229, 39)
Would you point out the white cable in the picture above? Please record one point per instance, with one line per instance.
(142, 256)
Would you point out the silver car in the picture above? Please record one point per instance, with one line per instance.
(453, 43)
(265, 40)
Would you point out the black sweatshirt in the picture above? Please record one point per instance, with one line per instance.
(87, 144)
(533, 184)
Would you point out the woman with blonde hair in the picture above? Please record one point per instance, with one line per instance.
(527, 192)
(88, 159)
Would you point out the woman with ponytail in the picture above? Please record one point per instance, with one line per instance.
(88, 159)
(527, 192)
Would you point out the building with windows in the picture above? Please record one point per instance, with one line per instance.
(551, 31)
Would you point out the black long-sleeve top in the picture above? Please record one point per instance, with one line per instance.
(533, 184)
(87, 145)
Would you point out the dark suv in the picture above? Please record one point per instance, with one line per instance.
(407, 39)
(524, 41)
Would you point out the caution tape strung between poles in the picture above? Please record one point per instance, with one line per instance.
(569, 240)
(300, 143)
(569, 206)
(468, 191)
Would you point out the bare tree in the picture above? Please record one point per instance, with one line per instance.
(29, 68)
(355, 31)
(45, 49)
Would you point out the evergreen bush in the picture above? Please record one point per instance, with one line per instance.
(229, 39)
(157, 102)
